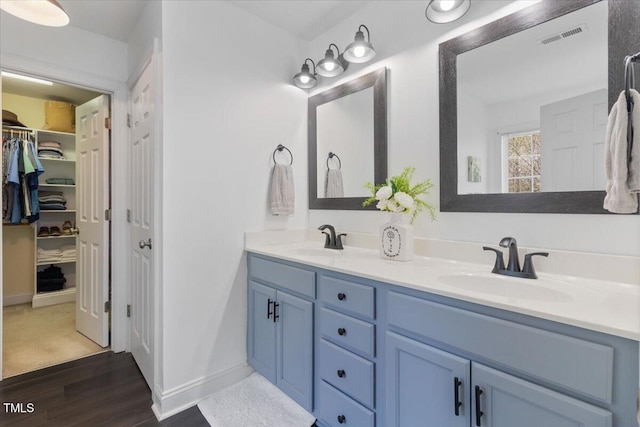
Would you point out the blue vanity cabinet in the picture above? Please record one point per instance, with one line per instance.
(426, 386)
(345, 353)
(280, 329)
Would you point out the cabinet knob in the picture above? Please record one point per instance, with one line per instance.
(342, 419)
(342, 332)
(342, 296)
(341, 373)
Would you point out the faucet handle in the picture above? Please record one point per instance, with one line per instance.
(339, 240)
(499, 265)
(528, 264)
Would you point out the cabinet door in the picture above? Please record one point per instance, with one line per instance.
(506, 401)
(425, 386)
(261, 334)
(295, 348)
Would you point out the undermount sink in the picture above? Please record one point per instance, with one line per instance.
(508, 287)
(324, 252)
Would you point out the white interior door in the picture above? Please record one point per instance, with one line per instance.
(92, 168)
(141, 216)
(572, 144)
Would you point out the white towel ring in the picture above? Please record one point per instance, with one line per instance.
(281, 147)
(331, 155)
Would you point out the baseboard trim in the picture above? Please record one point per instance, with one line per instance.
(175, 400)
(16, 299)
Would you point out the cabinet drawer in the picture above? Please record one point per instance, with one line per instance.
(348, 331)
(349, 373)
(338, 410)
(575, 364)
(348, 297)
(292, 278)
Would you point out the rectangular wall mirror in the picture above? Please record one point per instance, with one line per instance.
(347, 132)
(524, 102)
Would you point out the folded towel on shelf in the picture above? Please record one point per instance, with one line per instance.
(60, 181)
(49, 144)
(333, 183)
(282, 190)
(52, 207)
(619, 199)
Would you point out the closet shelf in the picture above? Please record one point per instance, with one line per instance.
(51, 159)
(56, 262)
(56, 185)
(67, 236)
(55, 132)
(57, 211)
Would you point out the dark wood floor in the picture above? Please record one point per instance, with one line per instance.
(102, 390)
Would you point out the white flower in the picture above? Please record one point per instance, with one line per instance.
(393, 206)
(382, 205)
(405, 200)
(384, 193)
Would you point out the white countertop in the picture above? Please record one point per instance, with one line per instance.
(609, 307)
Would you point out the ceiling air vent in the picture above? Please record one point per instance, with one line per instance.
(564, 34)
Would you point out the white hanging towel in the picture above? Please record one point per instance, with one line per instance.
(333, 183)
(633, 181)
(282, 190)
(619, 198)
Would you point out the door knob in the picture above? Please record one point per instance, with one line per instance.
(142, 244)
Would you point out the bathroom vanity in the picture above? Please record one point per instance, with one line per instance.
(361, 341)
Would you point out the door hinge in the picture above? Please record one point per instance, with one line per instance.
(128, 120)
(128, 310)
(107, 214)
(107, 306)
(128, 215)
(107, 122)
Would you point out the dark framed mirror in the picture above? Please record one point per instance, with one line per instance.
(462, 56)
(347, 130)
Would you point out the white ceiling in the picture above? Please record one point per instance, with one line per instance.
(306, 19)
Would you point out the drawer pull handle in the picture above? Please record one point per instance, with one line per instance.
(479, 413)
(342, 419)
(341, 373)
(342, 332)
(342, 296)
(456, 396)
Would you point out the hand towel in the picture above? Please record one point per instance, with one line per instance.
(619, 198)
(333, 183)
(633, 180)
(282, 190)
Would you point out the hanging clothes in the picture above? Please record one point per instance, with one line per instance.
(21, 169)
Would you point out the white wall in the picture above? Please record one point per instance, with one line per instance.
(408, 44)
(140, 43)
(228, 102)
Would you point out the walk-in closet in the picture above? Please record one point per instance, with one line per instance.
(42, 174)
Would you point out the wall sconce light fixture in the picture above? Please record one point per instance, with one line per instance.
(330, 66)
(305, 79)
(443, 11)
(42, 12)
(360, 50)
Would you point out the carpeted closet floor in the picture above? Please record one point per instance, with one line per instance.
(35, 338)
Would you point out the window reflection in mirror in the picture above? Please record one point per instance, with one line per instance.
(549, 80)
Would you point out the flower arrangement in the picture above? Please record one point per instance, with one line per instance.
(399, 196)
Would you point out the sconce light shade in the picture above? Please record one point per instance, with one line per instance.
(360, 50)
(330, 66)
(443, 11)
(42, 12)
(304, 79)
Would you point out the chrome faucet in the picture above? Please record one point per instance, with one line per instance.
(513, 265)
(331, 241)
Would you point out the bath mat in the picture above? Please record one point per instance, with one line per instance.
(254, 402)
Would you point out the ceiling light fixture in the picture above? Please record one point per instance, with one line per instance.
(42, 12)
(443, 11)
(27, 78)
(360, 50)
(330, 66)
(304, 79)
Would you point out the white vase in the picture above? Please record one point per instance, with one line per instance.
(396, 238)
